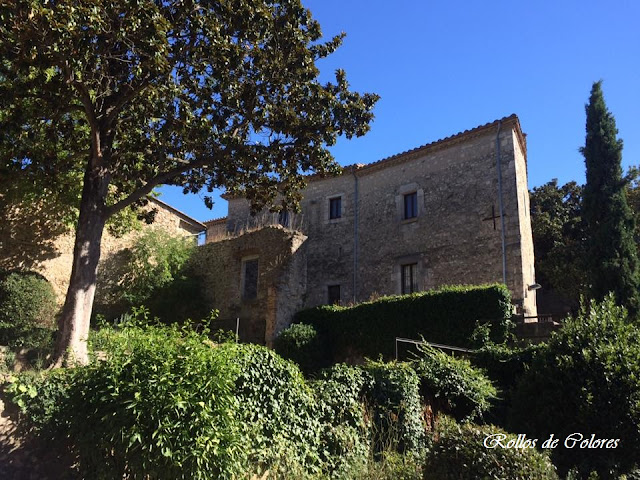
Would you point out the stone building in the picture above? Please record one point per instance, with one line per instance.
(36, 245)
(455, 211)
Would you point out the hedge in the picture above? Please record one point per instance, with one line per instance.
(448, 315)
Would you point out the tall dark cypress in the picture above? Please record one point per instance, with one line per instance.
(612, 253)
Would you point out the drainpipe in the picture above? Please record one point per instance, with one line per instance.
(501, 206)
(355, 235)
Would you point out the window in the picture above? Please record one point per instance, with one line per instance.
(283, 218)
(333, 294)
(409, 278)
(410, 205)
(250, 279)
(335, 208)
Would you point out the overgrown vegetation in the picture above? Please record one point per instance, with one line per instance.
(27, 310)
(447, 315)
(301, 344)
(460, 452)
(154, 272)
(452, 385)
(586, 381)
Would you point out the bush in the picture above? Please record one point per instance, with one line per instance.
(344, 434)
(504, 365)
(154, 272)
(161, 406)
(301, 344)
(277, 411)
(586, 381)
(394, 398)
(451, 385)
(448, 315)
(27, 310)
(459, 452)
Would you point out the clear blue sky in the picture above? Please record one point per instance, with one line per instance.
(443, 67)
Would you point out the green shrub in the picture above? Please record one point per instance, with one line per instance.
(394, 398)
(27, 310)
(504, 365)
(301, 344)
(160, 405)
(586, 381)
(154, 272)
(459, 452)
(448, 315)
(451, 385)
(344, 434)
(280, 429)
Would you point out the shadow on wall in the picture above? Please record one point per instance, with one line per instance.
(27, 235)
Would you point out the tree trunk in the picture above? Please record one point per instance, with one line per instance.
(71, 344)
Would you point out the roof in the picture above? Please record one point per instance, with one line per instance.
(215, 221)
(511, 120)
(183, 216)
(447, 142)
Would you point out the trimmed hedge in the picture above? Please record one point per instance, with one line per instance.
(448, 315)
(27, 310)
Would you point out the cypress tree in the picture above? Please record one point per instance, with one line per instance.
(611, 250)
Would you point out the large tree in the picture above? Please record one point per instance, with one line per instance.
(558, 239)
(611, 251)
(131, 95)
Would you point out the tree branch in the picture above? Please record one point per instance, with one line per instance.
(154, 182)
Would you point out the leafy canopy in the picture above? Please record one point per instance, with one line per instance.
(191, 93)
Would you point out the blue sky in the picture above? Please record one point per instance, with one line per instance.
(443, 67)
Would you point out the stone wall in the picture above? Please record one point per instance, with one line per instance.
(281, 286)
(456, 237)
(26, 244)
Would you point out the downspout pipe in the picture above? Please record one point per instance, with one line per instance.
(501, 205)
(355, 235)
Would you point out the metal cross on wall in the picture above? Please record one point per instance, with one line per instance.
(492, 217)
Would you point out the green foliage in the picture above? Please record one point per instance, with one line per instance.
(156, 261)
(154, 272)
(587, 380)
(452, 385)
(394, 398)
(160, 404)
(301, 344)
(504, 365)
(447, 315)
(277, 414)
(458, 452)
(344, 434)
(611, 250)
(27, 310)
(558, 238)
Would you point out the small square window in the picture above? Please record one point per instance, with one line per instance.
(250, 279)
(410, 205)
(333, 294)
(409, 278)
(335, 208)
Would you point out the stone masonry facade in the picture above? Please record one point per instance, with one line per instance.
(428, 217)
(50, 252)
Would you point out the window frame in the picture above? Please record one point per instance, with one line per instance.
(410, 210)
(333, 201)
(243, 284)
(412, 285)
